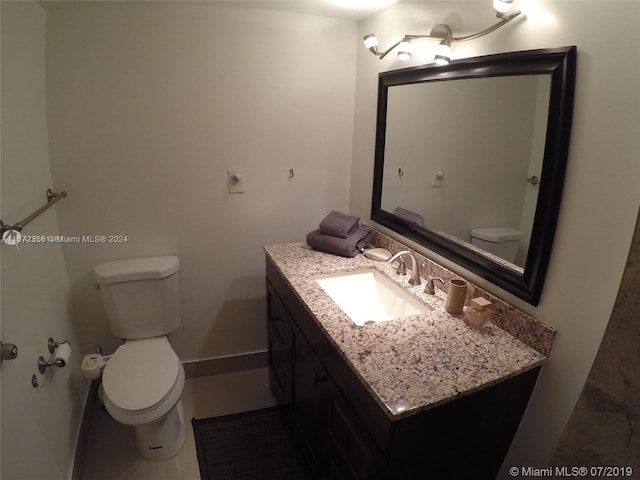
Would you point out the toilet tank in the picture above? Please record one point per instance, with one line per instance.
(501, 241)
(140, 295)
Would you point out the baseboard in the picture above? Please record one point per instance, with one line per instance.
(85, 428)
(228, 364)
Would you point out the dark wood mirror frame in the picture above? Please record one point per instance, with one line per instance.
(560, 64)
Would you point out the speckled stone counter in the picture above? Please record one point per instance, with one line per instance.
(409, 364)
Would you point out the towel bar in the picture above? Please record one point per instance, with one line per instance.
(52, 198)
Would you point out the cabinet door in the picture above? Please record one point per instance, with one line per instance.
(310, 402)
(354, 455)
(280, 353)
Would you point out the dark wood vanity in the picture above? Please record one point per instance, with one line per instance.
(347, 433)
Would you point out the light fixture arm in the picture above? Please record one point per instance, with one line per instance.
(444, 32)
(388, 50)
(439, 32)
(504, 19)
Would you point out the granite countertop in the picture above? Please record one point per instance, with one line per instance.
(409, 364)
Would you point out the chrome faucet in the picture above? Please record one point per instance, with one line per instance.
(415, 271)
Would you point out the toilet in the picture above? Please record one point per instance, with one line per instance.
(143, 380)
(500, 241)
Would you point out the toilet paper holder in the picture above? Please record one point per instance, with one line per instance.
(52, 345)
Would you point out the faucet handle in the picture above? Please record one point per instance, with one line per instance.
(429, 287)
(402, 267)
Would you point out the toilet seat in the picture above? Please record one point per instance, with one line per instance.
(142, 381)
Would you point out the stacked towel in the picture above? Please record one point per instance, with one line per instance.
(340, 234)
(339, 224)
(410, 216)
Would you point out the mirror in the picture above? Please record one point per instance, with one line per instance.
(470, 160)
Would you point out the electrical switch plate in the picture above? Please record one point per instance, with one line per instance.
(438, 175)
(235, 181)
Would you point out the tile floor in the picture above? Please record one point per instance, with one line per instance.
(111, 451)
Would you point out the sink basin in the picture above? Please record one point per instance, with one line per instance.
(370, 297)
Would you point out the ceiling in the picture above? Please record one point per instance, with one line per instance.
(346, 9)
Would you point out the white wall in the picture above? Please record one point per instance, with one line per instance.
(39, 427)
(150, 104)
(601, 195)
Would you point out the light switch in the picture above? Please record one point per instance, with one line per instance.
(235, 181)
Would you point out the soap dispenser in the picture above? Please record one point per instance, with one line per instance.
(479, 312)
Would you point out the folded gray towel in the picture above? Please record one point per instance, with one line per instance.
(339, 224)
(345, 247)
(410, 216)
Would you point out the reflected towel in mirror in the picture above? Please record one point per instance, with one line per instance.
(409, 216)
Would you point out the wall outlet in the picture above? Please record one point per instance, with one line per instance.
(235, 181)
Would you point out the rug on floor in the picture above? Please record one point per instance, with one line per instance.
(254, 445)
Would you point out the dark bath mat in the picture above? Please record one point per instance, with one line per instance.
(253, 445)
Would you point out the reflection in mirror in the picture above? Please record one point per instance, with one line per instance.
(470, 160)
(436, 134)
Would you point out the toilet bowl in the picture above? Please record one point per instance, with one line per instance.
(143, 380)
(142, 384)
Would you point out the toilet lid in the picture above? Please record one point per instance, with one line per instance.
(140, 374)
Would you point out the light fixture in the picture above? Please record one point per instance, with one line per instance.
(444, 34)
(443, 52)
(371, 42)
(405, 49)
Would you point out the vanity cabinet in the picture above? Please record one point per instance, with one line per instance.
(347, 435)
(279, 348)
(310, 407)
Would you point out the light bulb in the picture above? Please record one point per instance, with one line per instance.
(371, 42)
(404, 50)
(441, 60)
(502, 6)
(444, 48)
(443, 52)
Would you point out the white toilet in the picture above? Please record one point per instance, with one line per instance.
(500, 241)
(143, 380)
